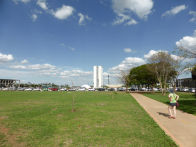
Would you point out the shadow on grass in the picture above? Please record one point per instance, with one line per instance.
(188, 106)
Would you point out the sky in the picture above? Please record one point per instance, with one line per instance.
(60, 41)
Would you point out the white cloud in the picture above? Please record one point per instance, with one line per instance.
(42, 4)
(83, 18)
(131, 22)
(127, 50)
(193, 13)
(34, 67)
(121, 18)
(175, 57)
(5, 58)
(69, 47)
(41, 66)
(64, 12)
(49, 72)
(175, 10)
(126, 64)
(125, 8)
(34, 17)
(151, 53)
(24, 61)
(23, 1)
(18, 66)
(188, 43)
(74, 73)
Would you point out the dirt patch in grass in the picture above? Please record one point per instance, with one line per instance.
(10, 139)
(3, 117)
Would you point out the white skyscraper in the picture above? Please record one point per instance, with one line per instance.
(98, 76)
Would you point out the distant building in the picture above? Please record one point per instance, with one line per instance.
(187, 82)
(8, 82)
(98, 76)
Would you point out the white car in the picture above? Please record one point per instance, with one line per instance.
(63, 89)
(36, 89)
(91, 89)
(5, 89)
(155, 89)
(28, 89)
(192, 90)
(185, 89)
(144, 89)
(20, 89)
(81, 89)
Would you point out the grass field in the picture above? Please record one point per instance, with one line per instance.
(99, 119)
(187, 100)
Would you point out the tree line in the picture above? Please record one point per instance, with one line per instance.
(161, 68)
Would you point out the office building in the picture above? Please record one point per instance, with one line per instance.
(98, 76)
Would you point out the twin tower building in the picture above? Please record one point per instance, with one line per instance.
(98, 76)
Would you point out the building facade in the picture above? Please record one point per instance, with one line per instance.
(98, 76)
(187, 82)
(8, 82)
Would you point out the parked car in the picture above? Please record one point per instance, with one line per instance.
(144, 89)
(121, 89)
(185, 89)
(111, 89)
(37, 89)
(72, 89)
(20, 89)
(91, 89)
(81, 89)
(4, 89)
(53, 89)
(155, 89)
(101, 89)
(63, 89)
(178, 89)
(149, 89)
(192, 90)
(28, 89)
(12, 88)
(132, 89)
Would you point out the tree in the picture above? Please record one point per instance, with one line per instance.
(162, 64)
(185, 52)
(124, 78)
(194, 68)
(194, 72)
(178, 68)
(141, 75)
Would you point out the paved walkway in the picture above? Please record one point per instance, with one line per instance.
(182, 129)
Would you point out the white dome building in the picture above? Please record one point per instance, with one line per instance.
(86, 86)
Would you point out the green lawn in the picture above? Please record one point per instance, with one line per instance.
(187, 100)
(100, 119)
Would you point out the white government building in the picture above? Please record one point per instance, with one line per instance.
(98, 76)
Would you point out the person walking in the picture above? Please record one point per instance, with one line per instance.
(173, 98)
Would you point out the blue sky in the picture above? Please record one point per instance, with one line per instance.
(60, 42)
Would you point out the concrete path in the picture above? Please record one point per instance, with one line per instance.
(182, 129)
